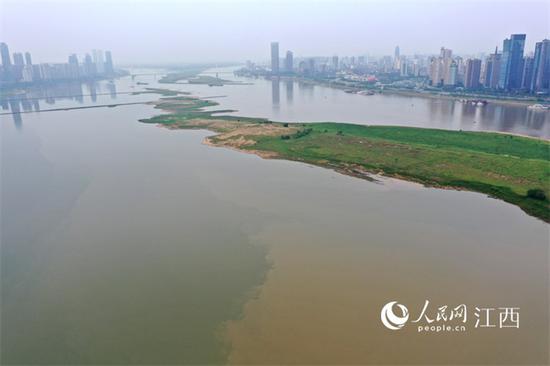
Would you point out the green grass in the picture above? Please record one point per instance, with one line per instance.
(210, 80)
(183, 73)
(163, 92)
(193, 109)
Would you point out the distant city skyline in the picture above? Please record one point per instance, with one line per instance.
(192, 31)
(511, 71)
(17, 69)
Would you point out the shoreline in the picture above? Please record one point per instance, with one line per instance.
(411, 93)
(491, 100)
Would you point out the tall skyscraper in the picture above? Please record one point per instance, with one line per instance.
(17, 67)
(440, 72)
(446, 56)
(335, 63)
(527, 73)
(74, 68)
(436, 71)
(311, 66)
(109, 69)
(512, 62)
(36, 73)
(18, 59)
(541, 67)
(28, 59)
(453, 73)
(460, 69)
(473, 70)
(89, 66)
(73, 59)
(492, 70)
(396, 59)
(5, 53)
(404, 66)
(98, 61)
(289, 61)
(27, 74)
(275, 58)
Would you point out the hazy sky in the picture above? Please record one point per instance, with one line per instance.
(193, 31)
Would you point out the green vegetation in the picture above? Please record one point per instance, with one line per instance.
(188, 108)
(183, 73)
(210, 80)
(163, 92)
(537, 194)
(512, 168)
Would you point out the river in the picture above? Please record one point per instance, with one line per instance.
(126, 243)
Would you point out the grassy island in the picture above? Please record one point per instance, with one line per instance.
(512, 168)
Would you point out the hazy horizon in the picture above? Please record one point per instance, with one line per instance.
(234, 31)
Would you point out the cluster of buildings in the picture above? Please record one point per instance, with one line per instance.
(508, 71)
(21, 69)
(309, 66)
(327, 66)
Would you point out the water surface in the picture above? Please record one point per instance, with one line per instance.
(126, 243)
(294, 101)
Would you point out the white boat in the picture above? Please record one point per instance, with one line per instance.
(539, 107)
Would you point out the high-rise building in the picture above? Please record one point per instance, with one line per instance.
(473, 70)
(436, 67)
(5, 53)
(36, 73)
(73, 59)
(541, 67)
(109, 69)
(17, 67)
(74, 68)
(275, 58)
(98, 61)
(492, 70)
(512, 62)
(396, 59)
(18, 59)
(289, 61)
(28, 59)
(311, 66)
(386, 64)
(460, 70)
(446, 56)
(527, 73)
(302, 67)
(89, 66)
(335, 63)
(453, 73)
(27, 74)
(404, 66)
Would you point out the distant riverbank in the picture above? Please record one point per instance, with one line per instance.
(512, 168)
(488, 98)
(424, 94)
